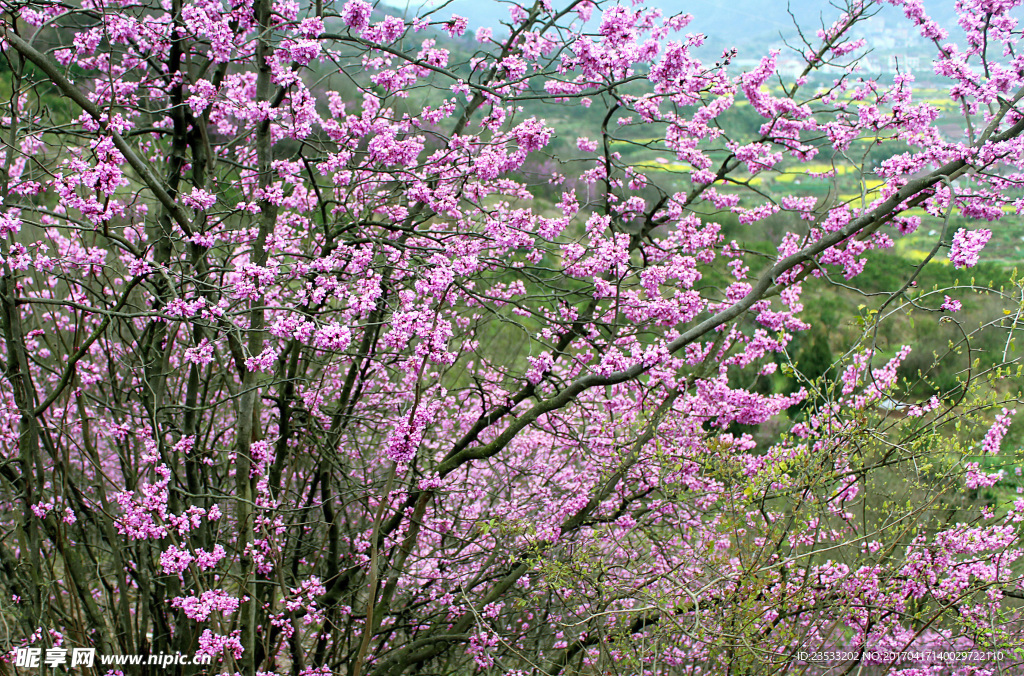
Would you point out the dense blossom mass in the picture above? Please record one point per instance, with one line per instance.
(341, 341)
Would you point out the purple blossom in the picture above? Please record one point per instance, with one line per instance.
(356, 14)
(995, 434)
(967, 246)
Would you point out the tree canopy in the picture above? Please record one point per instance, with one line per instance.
(339, 341)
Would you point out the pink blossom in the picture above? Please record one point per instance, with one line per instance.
(998, 430)
(967, 246)
(215, 644)
(175, 560)
(951, 305)
(456, 25)
(356, 14)
(199, 608)
(199, 199)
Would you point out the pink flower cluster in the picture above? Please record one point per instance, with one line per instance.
(995, 434)
(967, 246)
(199, 608)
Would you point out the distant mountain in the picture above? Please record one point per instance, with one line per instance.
(740, 23)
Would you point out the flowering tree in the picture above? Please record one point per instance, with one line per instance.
(305, 369)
